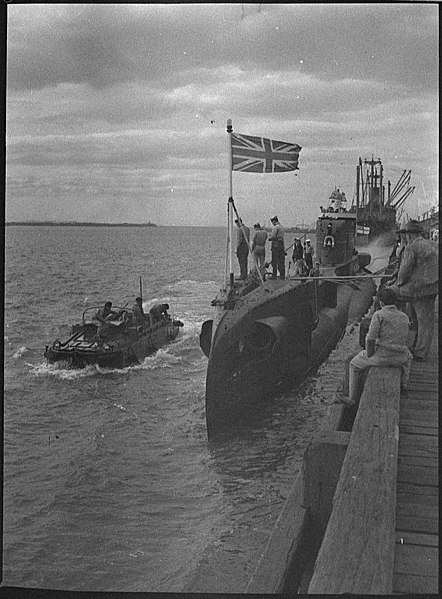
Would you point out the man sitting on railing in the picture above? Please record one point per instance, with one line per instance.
(386, 345)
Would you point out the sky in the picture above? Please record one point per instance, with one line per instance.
(118, 112)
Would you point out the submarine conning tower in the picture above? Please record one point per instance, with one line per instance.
(335, 232)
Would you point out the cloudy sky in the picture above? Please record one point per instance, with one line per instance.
(117, 113)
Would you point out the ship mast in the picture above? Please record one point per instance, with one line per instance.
(374, 189)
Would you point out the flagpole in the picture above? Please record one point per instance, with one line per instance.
(230, 201)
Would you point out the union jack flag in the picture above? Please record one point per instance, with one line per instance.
(261, 155)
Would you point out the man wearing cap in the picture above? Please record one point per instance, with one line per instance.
(242, 247)
(277, 237)
(418, 283)
(259, 245)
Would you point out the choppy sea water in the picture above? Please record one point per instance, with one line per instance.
(110, 483)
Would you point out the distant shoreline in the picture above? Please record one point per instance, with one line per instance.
(76, 224)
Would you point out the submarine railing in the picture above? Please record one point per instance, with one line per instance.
(342, 277)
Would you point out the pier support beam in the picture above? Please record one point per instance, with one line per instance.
(321, 468)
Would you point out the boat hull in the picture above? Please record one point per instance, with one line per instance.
(125, 348)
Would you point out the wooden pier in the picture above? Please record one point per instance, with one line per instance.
(368, 498)
(416, 563)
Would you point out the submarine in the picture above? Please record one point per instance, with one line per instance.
(267, 335)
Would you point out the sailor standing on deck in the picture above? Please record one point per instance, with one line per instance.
(242, 247)
(308, 254)
(298, 258)
(277, 237)
(418, 282)
(259, 245)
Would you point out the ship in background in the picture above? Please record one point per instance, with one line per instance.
(376, 208)
(429, 221)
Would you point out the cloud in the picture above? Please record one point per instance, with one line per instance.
(127, 103)
(102, 45)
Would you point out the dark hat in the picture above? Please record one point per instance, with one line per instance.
(413, 226)
(256, 226)
(108, 304)
(274, 218)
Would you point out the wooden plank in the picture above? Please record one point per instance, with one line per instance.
(423, 561)
(412, 460)
(424, 404)
(419, 417)
(418, 441)
(411, 523)
(282, 547)
(419, 386)
(421, 398)
(415, 390)
(423, 367)
(421, 499)
(405, 537)
(418, 475)
(357, 552)
(419, 404)
(407, 488)
(419, 430)
(418, 510)
(429, 414)
(405, 449)
(416, 387)
(412, 584)
(321, 468)
(421, 424)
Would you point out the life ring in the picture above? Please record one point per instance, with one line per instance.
(329, 241)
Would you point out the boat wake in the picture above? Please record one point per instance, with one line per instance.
(20, 352)
(60, 370)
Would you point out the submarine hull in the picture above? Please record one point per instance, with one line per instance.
(270, 341)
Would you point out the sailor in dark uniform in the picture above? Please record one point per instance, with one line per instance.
(159, 311)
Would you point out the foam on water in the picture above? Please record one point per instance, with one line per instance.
(20, 352)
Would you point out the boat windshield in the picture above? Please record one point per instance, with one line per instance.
(121, 313)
